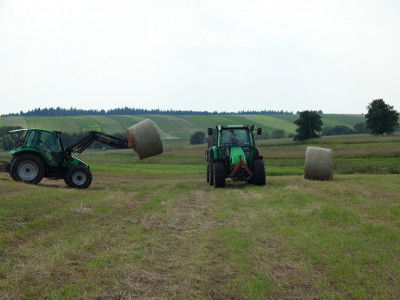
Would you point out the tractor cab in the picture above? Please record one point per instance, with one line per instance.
(235, 137)
(43, 142)
(232, 154)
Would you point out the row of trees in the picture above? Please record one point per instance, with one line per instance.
(58, 111)
(344, 130)
(381, 119)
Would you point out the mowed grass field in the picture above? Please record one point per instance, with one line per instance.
(171, 126)
(154, 228)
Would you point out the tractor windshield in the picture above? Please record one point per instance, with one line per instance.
(43, 139)
(236, 138)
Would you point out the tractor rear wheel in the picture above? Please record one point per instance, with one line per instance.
(218, 169)
(78, 177)
(28, 168)
(259, 173)
(12, 170)
(210, 177)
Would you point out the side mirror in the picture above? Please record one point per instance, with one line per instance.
(210, 131)
(259, 131)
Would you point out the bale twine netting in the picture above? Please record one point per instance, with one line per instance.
(146, 140)
(318, 164)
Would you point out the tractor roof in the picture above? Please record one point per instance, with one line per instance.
(26, 129)
(224, 127)
(18, 130)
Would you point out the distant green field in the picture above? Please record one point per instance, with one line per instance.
(171, 126)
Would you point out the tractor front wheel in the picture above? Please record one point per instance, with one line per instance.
(259, 173)
(28, 168)
(78, 177)
(218, 174)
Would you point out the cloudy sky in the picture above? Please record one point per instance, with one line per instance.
(201, 55)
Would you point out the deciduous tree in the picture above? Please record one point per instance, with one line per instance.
(381, 117)
(309, 126)
(198, 137)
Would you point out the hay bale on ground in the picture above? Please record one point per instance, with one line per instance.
(318, 164)
(147, 141)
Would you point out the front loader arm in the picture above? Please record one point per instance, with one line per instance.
(84, 142)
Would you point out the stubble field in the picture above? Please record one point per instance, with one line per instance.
(156, 229)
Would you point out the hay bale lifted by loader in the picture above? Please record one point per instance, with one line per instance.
(145, 139)
(42, 154)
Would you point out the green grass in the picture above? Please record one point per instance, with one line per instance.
(154, 228)
(345, 119)
(14, 121)
(357, 154)
(108, 125)
(63, 124)
(361, 154)
(135, 235)
(271, 121)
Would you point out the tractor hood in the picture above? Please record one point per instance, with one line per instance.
(236, 154)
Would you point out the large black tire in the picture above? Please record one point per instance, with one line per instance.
(259, 173)
(210, 178)
(218, 174)
(11, 171)
(78, 177)
(28, 168)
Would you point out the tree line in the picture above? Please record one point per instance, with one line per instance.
(58, 112)
(380, 119)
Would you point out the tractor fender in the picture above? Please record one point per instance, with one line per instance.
(20, 151)
(213, 154)
(74, 162)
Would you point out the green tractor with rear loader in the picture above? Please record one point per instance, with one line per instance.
(232, 154)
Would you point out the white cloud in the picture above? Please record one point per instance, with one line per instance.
(215, 55)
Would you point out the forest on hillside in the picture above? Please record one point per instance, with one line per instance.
(58, 111)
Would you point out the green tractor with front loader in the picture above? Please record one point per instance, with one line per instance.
(41, 153)
(232, 153)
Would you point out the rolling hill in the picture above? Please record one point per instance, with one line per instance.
(170, 126)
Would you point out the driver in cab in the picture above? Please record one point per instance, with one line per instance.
(231, 138)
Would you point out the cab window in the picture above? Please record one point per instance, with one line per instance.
(43, 139)
(236, 137)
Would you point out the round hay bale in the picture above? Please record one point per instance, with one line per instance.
(146, 140)
(318, 164)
